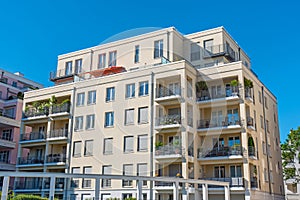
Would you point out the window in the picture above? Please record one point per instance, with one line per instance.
(90, 121)
(130, 90)
(233, 116)
(80, 99)
(267, 126)
(106, 169)
(78, 66)
(110, 94)
(129, 116)
(236, 171)
(68, 68)
(108, 146)
(91, 97)
(77, 149)
(262, 122)
(112, 58)
(143, 115)
(259, 96)
(158, 48)
(14, 84)
(269, 151)
(142, 143)
(127, 171)
(234, 141)
(137, 54)
(266, 177)
(88, 148)
(264, 147)
(144, 88)
(75, 182)
(219, 172)
(128, 144)
(109, 119)
(195, 52)
(9, 112)
(78, 123)
(102, 61)
(4, 156)
(87, 183)
(208, 45)
(142, 171)
(7, 135)
(266, 102)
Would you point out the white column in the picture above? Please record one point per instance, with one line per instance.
(139, 195)
(175, 191)
(97, 189)
(52, 188)
(204, 192)
(5, 188)
(227, 193)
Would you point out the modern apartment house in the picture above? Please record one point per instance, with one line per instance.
(292, 186)
(156, 104)
(12, 87)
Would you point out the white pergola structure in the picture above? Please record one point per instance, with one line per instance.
(98, 177)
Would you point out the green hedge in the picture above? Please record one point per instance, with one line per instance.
(28, 197)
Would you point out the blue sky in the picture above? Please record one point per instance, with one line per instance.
(34, 32)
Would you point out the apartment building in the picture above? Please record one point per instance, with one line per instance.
(156, 104)
(12, 87)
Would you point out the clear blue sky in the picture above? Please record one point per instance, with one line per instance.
(34, 33)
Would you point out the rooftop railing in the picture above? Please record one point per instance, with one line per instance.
(220, 50)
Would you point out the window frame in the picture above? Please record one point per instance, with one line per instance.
(112, 58)
(90, 122)
(105, 151)
(139, 142)
(126, 148)
(130, 90)
(78, 126)
(80, 99)
(74, 154)
(126, 123)
(92, 97)
(86, 152)
(139, 115)
(109, 123)
(110, 94)
(137, 54)
(102, 61)
(143, 88)
(158, 49)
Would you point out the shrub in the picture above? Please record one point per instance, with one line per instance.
(28, 197)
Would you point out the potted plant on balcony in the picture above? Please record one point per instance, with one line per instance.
(176, 144)
(234, 84)
(158, 144)
(202, 90)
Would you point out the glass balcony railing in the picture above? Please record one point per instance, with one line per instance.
(33, 136)
(30, 160)
(166, 92)
(168, 150)
(168, 120)
(55, 158)
(220, 50)
(219, 151)
(204, 95)
(222, 122)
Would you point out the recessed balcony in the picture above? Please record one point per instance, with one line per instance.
(33, 137)
(6, 165)
(58, 134)
(30, 161)
(168, 152)
(56, 159)
(7, 142)
(220, 50)
(233, 182)
(168, 121)
(249, 97)
(166, 96)
(60, 108)
(45, 110)
(219, 124)
(251, 123)
(220, 153)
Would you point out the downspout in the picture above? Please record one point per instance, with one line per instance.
(91, 65)
(151, 131)
(266, 138)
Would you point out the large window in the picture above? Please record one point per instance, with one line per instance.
(128, 144)
(109, 119)
(106, 170)
(236, 171)
(143, 115)
(234, 141)
(137, 54)
(142, 142)
(91, 97)
(142, 171)
(127, 171)
(87, 183)
(110, 94)
(80, 99)
(77, 149)
(130, 90)
(158, 48)
(144, 88)
(7, 135)
(195, 52)
(90, 121)
(88, 148)
(112, 58)
(78, 123)
(68, 68)
(129, 116)
(219, 172)
(108, 146)
(102, 61)
(78, 66)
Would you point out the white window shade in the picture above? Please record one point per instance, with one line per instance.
(129, 116)
(142, 142)
(142, 169)
(128, 144)
(108, 146)
(128, 170)
(143, 115)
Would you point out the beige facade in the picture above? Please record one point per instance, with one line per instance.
(151, 119)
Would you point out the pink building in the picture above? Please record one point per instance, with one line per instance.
(12, 87)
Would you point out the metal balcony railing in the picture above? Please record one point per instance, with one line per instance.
(223, 122)
(254, 182)
(4, 160)
(220, 50)
(219, 151)
(54, 109)
(29, 185)
(233, 181)
(33, 136)
(166, 92)
(163, 184)
(168, 150)
(127, 183)
(58, 133)
(32, 112)
(59, 108)
(61, 73)
(168, 120)
(55, 158)
(7, 137)
(251, 151)
(248, 93)
(30, 160)
(231, 91)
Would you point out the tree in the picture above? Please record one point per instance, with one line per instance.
(290, 155)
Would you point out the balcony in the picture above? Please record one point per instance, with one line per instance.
(233, 181)
(252, 152)
(30, 161)
(168, 96)
(58, 134)
(60, 108)
(218, 152)
(56, 158)
(168, 151)
(36, 112)
(8, 120)
(217, 124)
(7, 142)
(45, 110)
(33, 137)
(254, 182)
(168, 121)
(251, 123)
(6, 165)
(60, 74)
(220, 50)
(37, 184)
(249, 95)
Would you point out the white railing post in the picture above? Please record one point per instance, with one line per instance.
(97, 188)
(227, 193)
(139, 195)
(175, 191)
(52, 188)
(5, 188)
(204, 192)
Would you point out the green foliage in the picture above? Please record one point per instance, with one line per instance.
(65, 101)
(113, 198)
(201, 86)
(158, 144)
(248, 83)
(130, 198)
(234, 83)
(20, 95)
(28, 197)
(289, 149)
(52, 100)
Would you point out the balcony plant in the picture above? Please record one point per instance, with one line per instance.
(176, 144)
(234, 84)
(202, 90)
